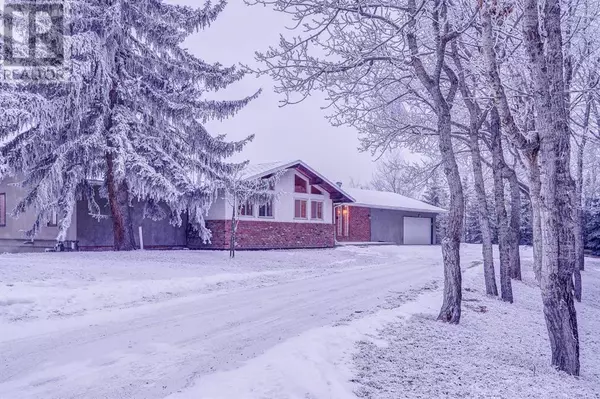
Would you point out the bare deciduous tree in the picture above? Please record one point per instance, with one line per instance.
(381, 57)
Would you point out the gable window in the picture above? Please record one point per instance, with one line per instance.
(314, 190)
(266, 210)
(53, 222)
(300, 209)
(316, 210)
(246, 209)
(2, 210)
(300, 185)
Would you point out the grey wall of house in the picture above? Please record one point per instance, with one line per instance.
(15, 228)
(98, 234)
(388, 225)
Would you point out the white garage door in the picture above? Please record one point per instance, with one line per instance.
(417, 231)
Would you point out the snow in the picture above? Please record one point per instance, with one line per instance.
(389, 200)
(253, 171)
(82, 333)
(344, 323)
(498, 351)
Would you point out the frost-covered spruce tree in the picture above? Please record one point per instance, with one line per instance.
(154, 108)
(33, 115)
(134, 114)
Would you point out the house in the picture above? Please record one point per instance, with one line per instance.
(385, 217)
(301, 217)
(86, 233)
(310, 211)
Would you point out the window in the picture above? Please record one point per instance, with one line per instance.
(314, 190)
(300, 185)
(2, 209)
(246, 209)
(266, 210)
(53, 222)
(300, 209)
(316, 210)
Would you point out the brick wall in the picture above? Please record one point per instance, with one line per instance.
(359, 225)
(266, 235)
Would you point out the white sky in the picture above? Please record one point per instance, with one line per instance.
(293, 132)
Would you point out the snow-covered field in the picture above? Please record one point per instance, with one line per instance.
(344, 323)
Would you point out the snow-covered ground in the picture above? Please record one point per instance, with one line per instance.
(344, 323)
(147, 324)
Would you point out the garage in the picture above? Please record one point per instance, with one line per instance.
(417, 231)
(381, 217)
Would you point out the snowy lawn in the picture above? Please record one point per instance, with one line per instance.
(498, 351)
(149, 324)
(47, 286)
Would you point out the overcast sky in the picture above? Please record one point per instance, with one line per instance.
(293, 132)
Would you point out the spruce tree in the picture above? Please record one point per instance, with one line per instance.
(592, 225)
(135, 111)
(436, 195)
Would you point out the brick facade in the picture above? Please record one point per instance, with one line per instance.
(359, 229)
(253, 234)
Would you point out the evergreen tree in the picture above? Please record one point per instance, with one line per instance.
(591, 216)
(435, 194)
(472, 230)
(138, 109)
(526, 221)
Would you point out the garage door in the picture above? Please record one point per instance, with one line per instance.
(417, 231)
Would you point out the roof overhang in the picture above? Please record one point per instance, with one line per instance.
(337, 194)
(397, 208)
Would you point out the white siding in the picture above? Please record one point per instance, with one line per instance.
(218, 209)
(283, 208)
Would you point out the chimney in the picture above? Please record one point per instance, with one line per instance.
(339, 184)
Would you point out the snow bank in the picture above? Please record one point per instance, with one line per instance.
(498, 351)
(316, 364)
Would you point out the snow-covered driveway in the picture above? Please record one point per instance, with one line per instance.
(157, 347)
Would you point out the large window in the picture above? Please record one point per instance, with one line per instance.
(300, 185)
(2, 209)
(300, 209)
(316, 210)
(314, 190)
(266, 210)
(247, 209)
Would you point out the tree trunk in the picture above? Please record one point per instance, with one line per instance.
(557, 186)
(536, 217)
(579, 233)
(451, 307)
(515, 225)
(499, 199)
(118, 199)
(233, 231)
(484, 215)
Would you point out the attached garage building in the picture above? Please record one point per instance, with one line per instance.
(384, 217)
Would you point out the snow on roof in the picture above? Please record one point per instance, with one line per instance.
(262, 169)
(388, 200)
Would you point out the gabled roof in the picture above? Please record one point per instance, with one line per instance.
(257, 171)
(388, 200)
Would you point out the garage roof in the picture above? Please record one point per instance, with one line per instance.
(388, 200)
